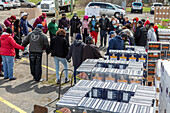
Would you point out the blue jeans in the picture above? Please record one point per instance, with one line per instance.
(75, 68)
(8, 64)
(57, 60)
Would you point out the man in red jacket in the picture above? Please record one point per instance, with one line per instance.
(41, 20)
(7, 51)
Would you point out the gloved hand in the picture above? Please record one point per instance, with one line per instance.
(68, 60)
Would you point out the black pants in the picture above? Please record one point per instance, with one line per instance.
(103, 34)
(35, 65)
(51, 37)
(85, 35)
(67, 38)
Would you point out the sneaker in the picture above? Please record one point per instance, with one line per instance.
(41, 80)
(67, 80)
(58, 81)
(12, 78)
(25, 54)
(6, 77)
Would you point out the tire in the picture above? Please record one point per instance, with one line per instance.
(141, 12)
(29, 6)
(1, 7)
(8, 8)
(132, 11)
(117, 15)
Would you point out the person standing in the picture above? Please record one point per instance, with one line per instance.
(156, 31)
(64, 23)
(134, 24)
(9, 22)
(126, 21)
(7, 51)
(1, 75)
(121, 19)
(76, 52)
(41, 20)
(94, 28)
(141, 35)
(38, 41)
(59, 51)
(151, 36)
(75, 24)
(113, 23)
(52, 28)
(17, 36)
(85, 28)
(104, 26)
(91, 51)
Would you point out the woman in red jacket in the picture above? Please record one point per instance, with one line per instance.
(7, 51)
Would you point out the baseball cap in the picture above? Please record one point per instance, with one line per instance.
(24, 14)
(140, 22)
(112, 32)
(40, 26)
(63, 14)
(78, 37)
(44, 14)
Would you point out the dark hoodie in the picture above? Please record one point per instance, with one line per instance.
(76, 52)
(116, 43)
(75, 25)
(37, 40)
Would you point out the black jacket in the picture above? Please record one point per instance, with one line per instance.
(64, 23)
(121, 20)
(157, 34)
(75, 25)
(76, 52)
(141, 36)
(91, 51)
(104, 24)
(59, 46)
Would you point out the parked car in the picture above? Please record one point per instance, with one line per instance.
(25, 3)
(155, 5)
(16, 3)
(5, 4)
(119, 7)
(137, 6)
(107, 8)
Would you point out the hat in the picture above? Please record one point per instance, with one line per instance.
(53, 19)
(44, 15)
(124, 35)
(89, 38)
(75, 14)
(147, 23)
(104, 15)
(140, 22)
(112, 32)
(24, 14)
(136, 18)
(86, 17)
(9, 30)
(40, 26)
(151, 24)
(13, 17)
(63, 14)
(93, 16)
(78, 37)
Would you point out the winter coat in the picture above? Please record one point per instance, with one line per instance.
(59, 46)
(24, 24)
(128, 22)
(85, 25)
(53, 28)
(156, 31)
(9, 24)
(116, 43)
(17, 36)
(95, 27)
(141, 36)
(134, 27)
(75, 25)
(104, 24)
(121, 20)
(64, 23)
(91, 51)
(151, 36)
(76, 52)
(42, 21)
(8, 45)
(37, 40)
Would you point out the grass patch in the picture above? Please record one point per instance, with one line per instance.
(80, 13)
(145, 9)
(34, 1)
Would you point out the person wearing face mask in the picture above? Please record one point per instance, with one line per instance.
(94, 28)
(52, 28)
(146, 25)
(41, 20)
(134, 24)
(121, 19)
(141, 35)
(64, 23)
(104, 27)
(9, 22)
(85, 28)
(151, 36)
(112, 24)
(75, 24)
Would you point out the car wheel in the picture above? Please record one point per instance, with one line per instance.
(141, 12)
(1, 7)
(131, 11)
(117, 15)
(8, 8)
(29, 6)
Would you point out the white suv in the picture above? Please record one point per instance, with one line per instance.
(155, 5)
(107, 8)
(5, 4)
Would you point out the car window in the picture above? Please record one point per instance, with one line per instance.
(157, 4)
(3, 1)
(137, 4)
(92, 4)
(101, 5)
(118, 6)
(109, 7)
(22, 1)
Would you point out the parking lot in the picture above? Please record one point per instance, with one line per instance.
(21, 95)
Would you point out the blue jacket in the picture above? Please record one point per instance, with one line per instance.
(24, 24)
(116, 43)
(126, 22)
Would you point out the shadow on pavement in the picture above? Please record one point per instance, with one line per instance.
(3, 81)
